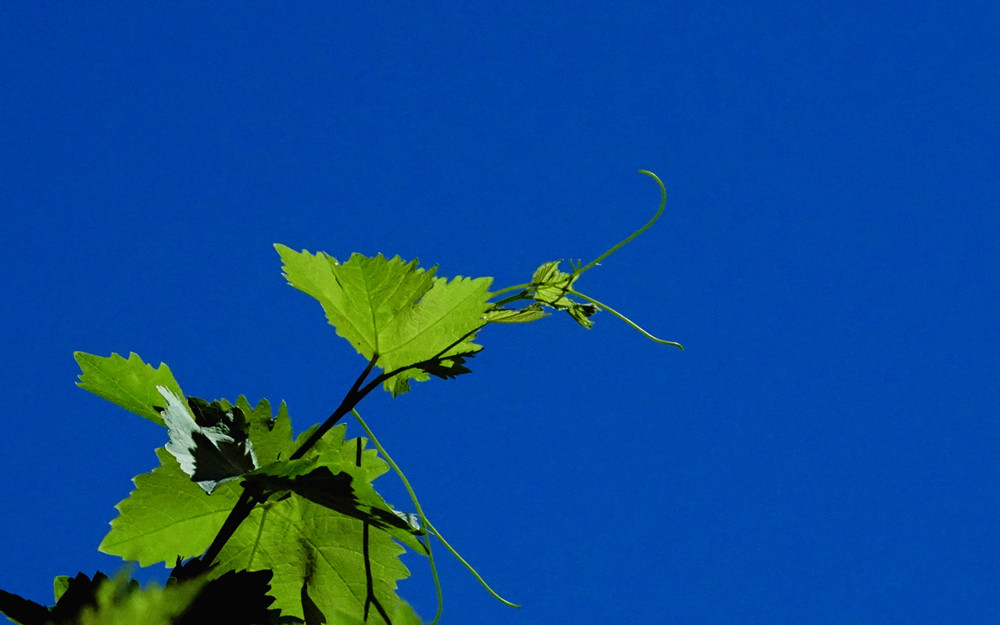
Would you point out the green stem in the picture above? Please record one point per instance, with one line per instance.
(388, 375)
(663, 203)
(427, 524)
(623, 318)
(434, 573)
(510, 288)
(245, 504)
(416, 504)
(525, 293)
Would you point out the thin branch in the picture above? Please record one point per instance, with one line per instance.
(386, 375)
(524, 288)
(351, 399)
(245, 504)
(237, 515)
(357, 392)
(417, 507)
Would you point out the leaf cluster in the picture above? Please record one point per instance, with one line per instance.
(264, 527)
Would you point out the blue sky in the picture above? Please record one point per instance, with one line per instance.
(825, 450)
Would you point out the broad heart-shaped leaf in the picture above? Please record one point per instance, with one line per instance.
(318, 553)
(167, 516)
(314, 552)
(396, 310)
(129, 383)
(317, 557)
(211, 442)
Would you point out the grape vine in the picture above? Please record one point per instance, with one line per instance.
(261, 527)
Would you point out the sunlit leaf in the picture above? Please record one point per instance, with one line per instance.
(395, 310)
(168, 516)
(551, 287)
(129, 383)
(317, 551)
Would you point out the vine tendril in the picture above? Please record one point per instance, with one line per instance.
(425, 522)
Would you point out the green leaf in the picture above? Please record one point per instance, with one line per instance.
(209, 441)
(317, 552)
(341, 487)
(129, 383)
(167, 516)
(581, 313)
(269, 435)
(405, 615)
(82, 595)
(21, 610)
(395, 310)
(531, 312)
(233, 598)
(446, 368)
(84, 601)
(59, 585)
(314, 551)
(551, 287)
(116, 603)
(240, 596)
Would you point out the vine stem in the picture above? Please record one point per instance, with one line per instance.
(416, 504)
(351, 399)
(245, 504)
(512, 298)
(444, 542)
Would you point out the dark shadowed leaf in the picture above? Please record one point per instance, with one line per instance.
(210, 441)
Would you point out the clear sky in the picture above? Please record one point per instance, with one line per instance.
(825, 450)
